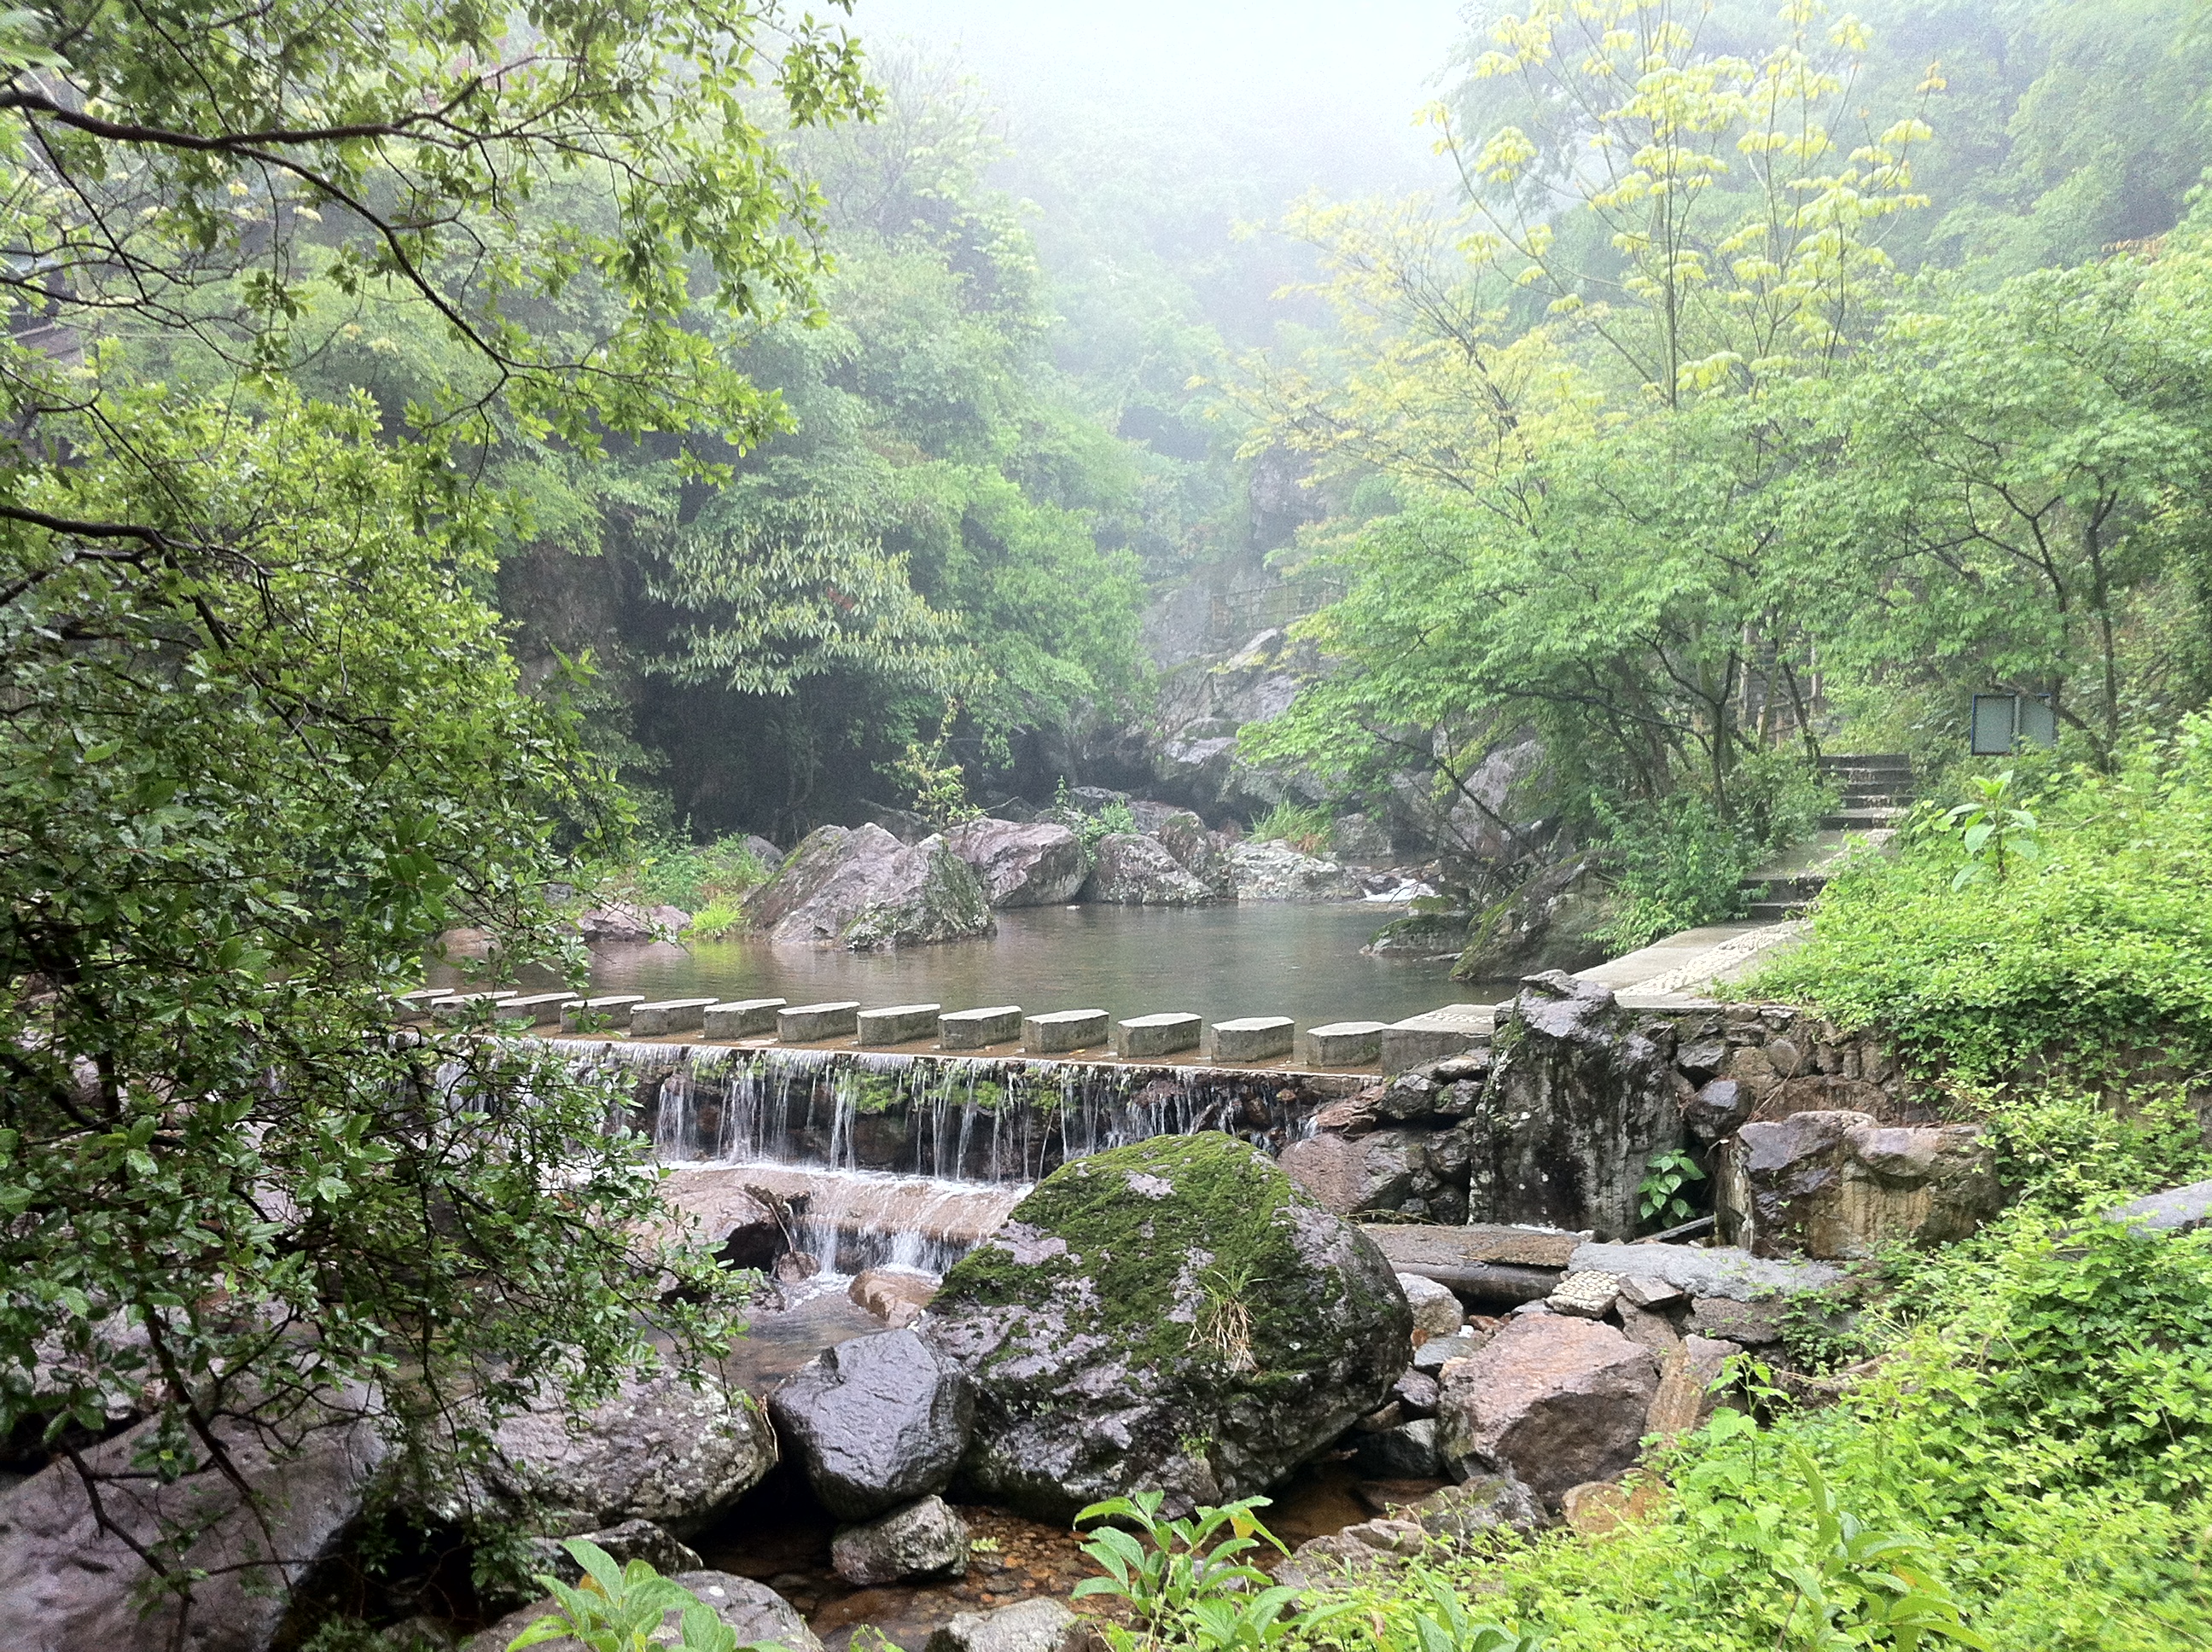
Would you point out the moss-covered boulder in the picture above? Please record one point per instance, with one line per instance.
(1176, 1315)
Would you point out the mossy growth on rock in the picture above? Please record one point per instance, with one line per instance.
(1177, 1313)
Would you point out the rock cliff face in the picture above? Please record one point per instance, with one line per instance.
(865, 890)
(1175, 1315)
(1837, 1184)
(1579, 1099)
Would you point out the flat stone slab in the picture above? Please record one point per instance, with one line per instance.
(1450, 1030)
(741, 1017)
(1254, 1038)
(2178, 1210)
(1685, 966)
(976, 1029)
(667, 1015)
(810, 1024)
(534, 1009)
(1722, 1270)
(610, 1012)
(899, 1024)
(1411, 1245)
(1343, 1044)
(1156, 1034)
(1058, 1031)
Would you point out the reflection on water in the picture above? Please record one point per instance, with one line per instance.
(1271, 958)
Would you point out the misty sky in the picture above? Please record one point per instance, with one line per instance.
(1337, 83)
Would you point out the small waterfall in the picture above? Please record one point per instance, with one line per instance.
(894, 1159)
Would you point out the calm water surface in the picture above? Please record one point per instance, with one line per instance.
(1256, 959)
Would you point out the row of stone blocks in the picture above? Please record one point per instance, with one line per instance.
(1060, 1032)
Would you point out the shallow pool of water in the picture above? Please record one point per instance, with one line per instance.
(1252, 958)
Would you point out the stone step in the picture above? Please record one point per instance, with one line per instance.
(1777, 911)
(1866, 760)
(1860, 820)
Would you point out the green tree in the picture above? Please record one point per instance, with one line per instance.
(263, 742)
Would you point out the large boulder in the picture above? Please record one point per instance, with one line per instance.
(1133, 871)
(865, 890)
(1556, 920)
(1550, 1401)
(1176, 1315)
(658, 1449)
(1836, 1184)
(754, 1610)
(1201, 852)
(1034, 865)
(876, 1422)
(70, 1584)
(628, 920)
(1274, 870)
(1577, 1102)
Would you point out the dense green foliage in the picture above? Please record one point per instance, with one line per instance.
(2026, 1466)
(2095, 953)
(1672, 442)
(264, 741)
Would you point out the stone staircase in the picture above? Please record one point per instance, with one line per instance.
(1877, 789)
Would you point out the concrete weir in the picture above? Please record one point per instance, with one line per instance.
(994, 1119)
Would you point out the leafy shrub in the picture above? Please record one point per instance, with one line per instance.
(1673, 867)
(620, 1609)
(2102, 948)
(708, 879)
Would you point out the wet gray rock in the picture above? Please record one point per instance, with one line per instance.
(1274, 870)
(1021, 865)
(1837, 1185)
(1201, 852)
(923, 1540)
(2178, 1210)
(658, 1450)
(1026, 1626)
(1719, 1108)
(1749, 1324)
(876, 1422)
(1437, 1312)
(1134, 871)
(1721, 1271)
(1407, 1452)
(1556, 920)
(755, 1611)
(1578, 1102)
(865, 891)
(626, 921)
(1380, 1170)
(1176, 1315)
(1415, 1392)
(1551, 1401)
(66, 1585)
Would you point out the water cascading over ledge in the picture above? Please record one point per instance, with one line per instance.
(990, 1120)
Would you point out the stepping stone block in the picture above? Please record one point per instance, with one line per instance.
(1156, 1034)
(1343, 1044)
(745, 1017)
(901, 1023)
(1254, 1038)
(605, 1014)
(533, 1009)
(668, 1015)
(1059, 1031)
(1450, 1031)
(976, 1029)
(810, 1024)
